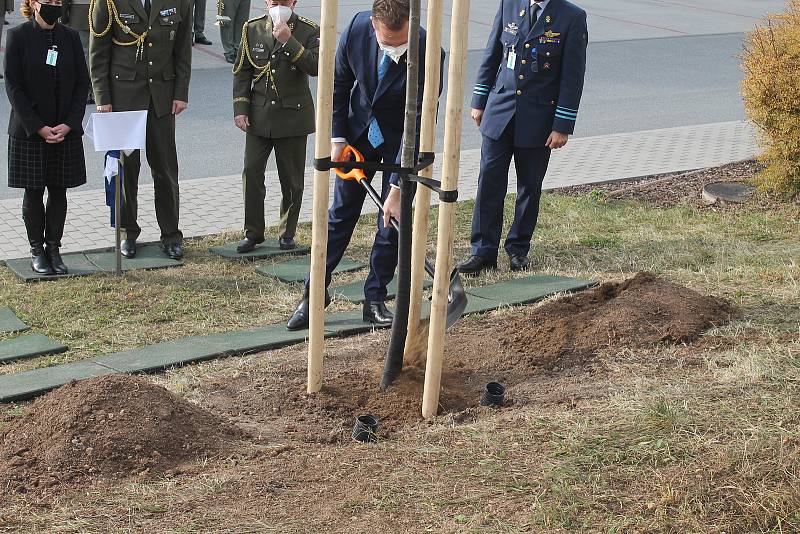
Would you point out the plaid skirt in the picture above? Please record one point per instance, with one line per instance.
(34, 164)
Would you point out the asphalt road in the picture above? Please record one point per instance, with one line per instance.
(631, 85)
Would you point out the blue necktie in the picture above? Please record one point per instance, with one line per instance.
(374, 134)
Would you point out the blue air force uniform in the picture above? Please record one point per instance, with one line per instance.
(529, 85)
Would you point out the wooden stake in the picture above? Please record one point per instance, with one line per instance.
(450, 167)
(319, 228)
(427, 143)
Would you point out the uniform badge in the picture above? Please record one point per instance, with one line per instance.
(546, 66)
(522, 13)
(511, 28)
(168, 12)
(258, 48)
(172, 35)
(128, 17)
(548, 19)
(550, 34)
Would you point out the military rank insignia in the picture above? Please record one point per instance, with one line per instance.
(550, 37)
(511, 28)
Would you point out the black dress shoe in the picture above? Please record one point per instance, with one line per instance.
(40, 263)
(174, 251)
(299, 319)
(518, 262)
(56, 262)
(476, 264)
(230, 59)
(128, 248)
(377, 313)
(287, 243)
(248, 244)
(201, 39)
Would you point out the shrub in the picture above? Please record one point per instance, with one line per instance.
(771, 91)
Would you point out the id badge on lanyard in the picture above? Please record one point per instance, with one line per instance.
(52, 56)
(512, 58)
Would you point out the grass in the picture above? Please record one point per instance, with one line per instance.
(702, 438)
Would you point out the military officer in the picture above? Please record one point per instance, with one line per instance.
(140, 54)
(525, 102)
(272, 104)
(76, 16)
(232, 15)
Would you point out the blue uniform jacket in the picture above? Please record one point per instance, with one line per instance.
(357, 95)
(542, 92)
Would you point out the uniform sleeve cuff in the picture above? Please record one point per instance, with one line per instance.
(293, 49)
(241, 106)
(181, 93)
(479, 101)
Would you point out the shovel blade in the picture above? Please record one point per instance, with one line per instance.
(456, 300)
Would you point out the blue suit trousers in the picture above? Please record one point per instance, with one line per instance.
(348, 200)
(487, 218)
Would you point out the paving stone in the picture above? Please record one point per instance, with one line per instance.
(29, 346)
(348, 324)
(297, 270)
(77, 264)
(267, 249)
(147, 257)
(355, 292)
(29, 384)
(9, 322)
(528, 289)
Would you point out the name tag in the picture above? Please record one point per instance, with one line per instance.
(128, 17)
(168, 12)
(512, 59)
(52, 57)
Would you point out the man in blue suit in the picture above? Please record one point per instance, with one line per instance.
(525, 102)
(369, 94)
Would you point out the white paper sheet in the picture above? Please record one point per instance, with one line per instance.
(120, 130)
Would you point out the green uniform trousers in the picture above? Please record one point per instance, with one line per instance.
(230, 33)
(290, 158)
(162, 156)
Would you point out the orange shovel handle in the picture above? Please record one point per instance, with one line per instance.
(353, 174)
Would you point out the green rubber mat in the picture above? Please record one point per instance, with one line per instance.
(529, 289)
(267, 249)
(147, 257)
(30, 384)
(29, 346)
(77, 264)
(9, 322)
(200, 348)
(297, 270)
(355, 292)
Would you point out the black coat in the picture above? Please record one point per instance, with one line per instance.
(29, 80)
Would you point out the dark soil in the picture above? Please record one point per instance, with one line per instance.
(538, 353)
(667, 190)
(640, 311)
(114, 426)
(121, 426)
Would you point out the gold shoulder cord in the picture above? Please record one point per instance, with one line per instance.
(112, 11)
(262, 70)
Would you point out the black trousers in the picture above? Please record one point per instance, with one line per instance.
(45, 223)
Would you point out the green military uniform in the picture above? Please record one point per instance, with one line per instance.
(142, 61)
(233, 16)
(76, 16)
(270, 86)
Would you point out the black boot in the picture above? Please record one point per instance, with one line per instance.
(54, 256)
(40, 263)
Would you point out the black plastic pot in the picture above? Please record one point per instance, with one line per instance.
(493, 394)
(366, 429)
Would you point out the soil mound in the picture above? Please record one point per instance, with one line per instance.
(639, 311)
(112, 426)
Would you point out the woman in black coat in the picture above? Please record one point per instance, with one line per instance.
(47, 82)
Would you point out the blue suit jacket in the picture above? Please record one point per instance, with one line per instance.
(542, 92)
(357, 95)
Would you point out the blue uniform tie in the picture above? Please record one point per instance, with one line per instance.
(374, 134)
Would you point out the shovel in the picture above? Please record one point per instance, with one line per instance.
(457, 297)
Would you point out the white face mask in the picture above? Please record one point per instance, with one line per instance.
(394, 52)
(280, 14)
